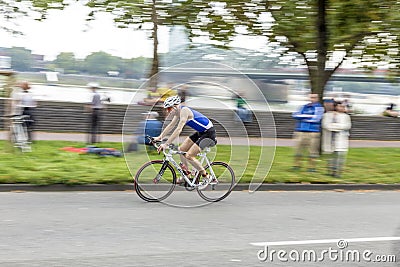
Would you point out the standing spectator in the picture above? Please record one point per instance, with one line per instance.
(336, 125)
(307, 132)
(95, 107)
(329, 106)
(27, 106)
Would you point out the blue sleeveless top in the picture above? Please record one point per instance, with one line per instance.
(199, 122)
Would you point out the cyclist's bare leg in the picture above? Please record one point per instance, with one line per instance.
(191, 157)
(184, 147)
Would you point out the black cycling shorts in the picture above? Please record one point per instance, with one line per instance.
(205, 139)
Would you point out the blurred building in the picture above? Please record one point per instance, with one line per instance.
(5, 62)
(38, 63)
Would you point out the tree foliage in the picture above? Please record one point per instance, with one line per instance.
(212, 21)
(327, 32)
(136, 14)
(324, 33)
(67, 62)
(21, 58)
(12, 10)
(101, 63)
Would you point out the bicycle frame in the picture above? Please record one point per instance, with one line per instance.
(203, 159)
(169, 152)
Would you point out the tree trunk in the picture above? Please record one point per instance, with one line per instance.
(319, 76)
(155, 63)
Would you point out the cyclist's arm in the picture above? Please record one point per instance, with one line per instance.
(168, 128)
(184, 116)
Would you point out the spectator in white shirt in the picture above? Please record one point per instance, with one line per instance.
(336, 125)
(95, 109)
(27, 105)
(96, 106)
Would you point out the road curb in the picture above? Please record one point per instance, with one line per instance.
(240, 187)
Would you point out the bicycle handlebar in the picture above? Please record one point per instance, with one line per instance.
(172, 148)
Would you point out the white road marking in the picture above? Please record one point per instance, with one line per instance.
(326, 241)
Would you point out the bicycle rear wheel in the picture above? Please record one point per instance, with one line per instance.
(222, 183)
(155, 180)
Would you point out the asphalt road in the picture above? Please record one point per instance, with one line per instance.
(119, 229)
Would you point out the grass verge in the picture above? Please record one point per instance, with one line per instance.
(47, 164)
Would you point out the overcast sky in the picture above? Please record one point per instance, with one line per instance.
(67, 31)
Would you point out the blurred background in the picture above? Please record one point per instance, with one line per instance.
(60, 46)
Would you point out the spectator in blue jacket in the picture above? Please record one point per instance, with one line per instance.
(307, 132)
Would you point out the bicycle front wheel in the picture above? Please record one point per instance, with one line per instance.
(222, 183)
(155, 180)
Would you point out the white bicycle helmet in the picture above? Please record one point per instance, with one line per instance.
(172, 101)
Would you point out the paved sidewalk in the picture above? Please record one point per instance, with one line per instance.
(82, 137)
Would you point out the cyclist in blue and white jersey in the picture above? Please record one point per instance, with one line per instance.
(204, 136)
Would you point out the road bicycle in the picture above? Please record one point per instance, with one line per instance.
(19, 132)
(156, 179)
